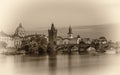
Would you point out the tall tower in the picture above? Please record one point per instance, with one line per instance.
(52, 34)
(70, 32)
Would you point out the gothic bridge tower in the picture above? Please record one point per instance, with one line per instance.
(52, 34)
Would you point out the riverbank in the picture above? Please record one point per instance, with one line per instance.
(13, 51)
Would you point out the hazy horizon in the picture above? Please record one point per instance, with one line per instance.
(111, 32)
(41, 13)
(37, 15)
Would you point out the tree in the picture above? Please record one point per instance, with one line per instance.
(103, 38)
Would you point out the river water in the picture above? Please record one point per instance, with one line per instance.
(60, 65)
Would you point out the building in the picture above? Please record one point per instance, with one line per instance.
(52, 34)
(102, 40)
(70, 39)
(15, 40)
(87, 40)
(70, 33)
(74, 40)
(78, 39)
(52, 40)
(19, 36)
(20, 31)
(5, 38)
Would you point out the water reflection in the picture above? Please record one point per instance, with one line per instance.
(60, 65)
(69, 64)
(52, 64)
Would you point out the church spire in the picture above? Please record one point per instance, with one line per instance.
(70, 30)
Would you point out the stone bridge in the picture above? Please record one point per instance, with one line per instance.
(73, 48)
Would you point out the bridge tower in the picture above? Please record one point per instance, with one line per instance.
(52, 36)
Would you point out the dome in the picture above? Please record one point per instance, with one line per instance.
(20, 31)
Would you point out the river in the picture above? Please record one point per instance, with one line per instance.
(60, 65)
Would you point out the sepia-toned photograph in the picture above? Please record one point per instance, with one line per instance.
(59, 37)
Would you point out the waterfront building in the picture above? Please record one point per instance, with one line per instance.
(15, 40)
(6, 39)
(19, 36)
(78, 39)
(73, 40)
(70, 39)
(87, 40)
(20, 31)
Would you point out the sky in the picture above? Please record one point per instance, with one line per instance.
(39, 14)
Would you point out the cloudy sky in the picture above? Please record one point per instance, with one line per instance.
(39, 14)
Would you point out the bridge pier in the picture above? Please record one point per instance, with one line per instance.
(52, 35)
(69, 49)
(51, 49)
